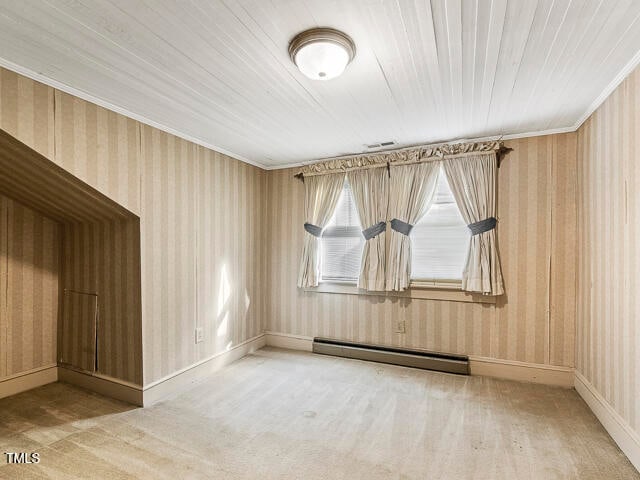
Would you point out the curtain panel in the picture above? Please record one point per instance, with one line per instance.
(370, 194)
(411, 193)
(473, 182)
(322, 193)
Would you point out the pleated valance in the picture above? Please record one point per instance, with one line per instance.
(401, 156)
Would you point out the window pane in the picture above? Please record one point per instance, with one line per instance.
(346, 214)
(341, 258)
(342, 242)
(440, 239)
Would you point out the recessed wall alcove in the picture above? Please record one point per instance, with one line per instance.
(70, 270)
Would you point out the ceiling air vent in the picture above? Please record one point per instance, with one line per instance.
(373, 146)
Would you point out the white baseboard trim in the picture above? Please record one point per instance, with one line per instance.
(627, 439)
(178, 381)
(23, 381)
(489, 367)
(102, 384)
(522, 371)
(291, 342)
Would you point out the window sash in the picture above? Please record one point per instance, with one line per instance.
(444, 196)
(450, 229)
(342, 233)
(342, 239)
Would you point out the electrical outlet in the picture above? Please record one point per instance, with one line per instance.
(199, 334)
(400, 328)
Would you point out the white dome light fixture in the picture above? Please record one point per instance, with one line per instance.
(322, 53)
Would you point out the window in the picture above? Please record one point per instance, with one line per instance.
(439, 241)
(342, 242)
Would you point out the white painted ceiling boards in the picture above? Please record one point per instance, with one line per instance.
(218, 72)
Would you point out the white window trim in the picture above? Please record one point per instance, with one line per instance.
(454, 284)
(450, 294)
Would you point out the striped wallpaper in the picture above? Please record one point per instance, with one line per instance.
(78, 330)
(27, 111)
(101, 268)
(608, 340)
(29, 266)
(201, 228)
(534, 322)
(96, 145)
(99, 147)
(196, 269)
(100, 245)
(229, 250)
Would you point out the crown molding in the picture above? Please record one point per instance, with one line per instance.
(607, 91)
(491, 138)
(38, 77)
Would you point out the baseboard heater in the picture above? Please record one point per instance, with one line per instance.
(442, 362)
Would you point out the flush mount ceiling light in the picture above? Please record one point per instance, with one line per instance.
(322, 53)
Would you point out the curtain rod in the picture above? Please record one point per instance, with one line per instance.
(404, 156)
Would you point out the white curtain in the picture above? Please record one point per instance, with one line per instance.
(370, 194)
(411, 193)
(473, 183)
(322, 193)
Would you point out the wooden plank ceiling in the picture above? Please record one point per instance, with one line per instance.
(218, 72)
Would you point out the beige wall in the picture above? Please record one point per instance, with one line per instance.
(102, 258)
(27, 111)
(100, 147)
(608, 338)
(192, 202)
(99, 264)
(202, 221)
(29, 275)
(534, 322)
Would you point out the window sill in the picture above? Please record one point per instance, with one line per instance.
(418, 291)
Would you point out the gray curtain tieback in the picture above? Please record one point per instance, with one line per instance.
(483, 225)
(401, 227)
(374, 230)
(313, 229)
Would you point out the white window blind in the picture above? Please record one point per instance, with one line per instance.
(342, 242)
(440, 240)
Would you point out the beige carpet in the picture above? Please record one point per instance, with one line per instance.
(283, 414)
